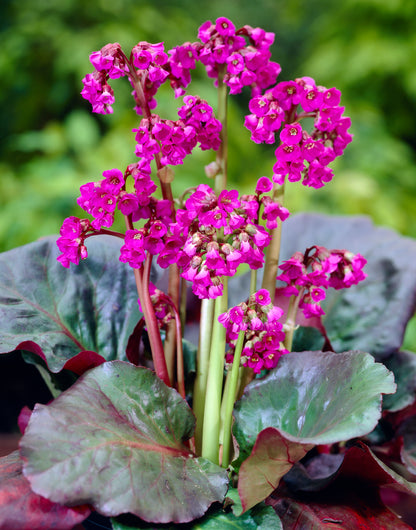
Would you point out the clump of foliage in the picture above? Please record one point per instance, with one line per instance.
(275, 418)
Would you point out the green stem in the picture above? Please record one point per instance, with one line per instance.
(253, 281)
(290, 324)
(273, 250)
(202, 363)
(46, 376)
(212, 410)
(229, 399)
(222, 153)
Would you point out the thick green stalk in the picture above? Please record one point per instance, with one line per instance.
(229, 400)
(212, 410)
(202, 363)
(273, 250)
(290, 324)
(222, 153)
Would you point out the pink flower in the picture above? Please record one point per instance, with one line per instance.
(71, 243)
(291, 134)
(128, 203)
(262, 297)
(224, 27)
(264, 185)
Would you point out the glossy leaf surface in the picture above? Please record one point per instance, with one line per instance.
(115, 439)
(314, 398)
(56, 313)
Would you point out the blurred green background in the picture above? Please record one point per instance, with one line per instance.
(51, 143)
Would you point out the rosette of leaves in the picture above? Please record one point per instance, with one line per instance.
(313, 440)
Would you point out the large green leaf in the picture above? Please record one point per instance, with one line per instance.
(314, 398)
(57, 312)
(115, 440)
(261, 517)
(371, 316)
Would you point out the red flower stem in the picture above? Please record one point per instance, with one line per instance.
(171, 332)
(141, 277)
(156, 345)
(164, 179)
(106, 232)
(180, 372)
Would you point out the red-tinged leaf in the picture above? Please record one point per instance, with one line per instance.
(56, 313)
(84, 361)
(24, 418)
(360, 463)
(21, 509)
(351, 499)
(342, 509)
(115, 439)
(271, 458)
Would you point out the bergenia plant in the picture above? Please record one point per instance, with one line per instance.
(184, 387)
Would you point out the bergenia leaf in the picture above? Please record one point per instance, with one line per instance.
(408, 451)
(351, 500)
(403, 365)
(22, 509)
(349, 509)
(373, 315)
(311, 398)
(314, 398)
(116, 439)
(261, 517)
(56, 313)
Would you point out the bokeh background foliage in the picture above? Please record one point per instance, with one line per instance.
(51, 143)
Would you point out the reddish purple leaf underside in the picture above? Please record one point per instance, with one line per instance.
(271, 458)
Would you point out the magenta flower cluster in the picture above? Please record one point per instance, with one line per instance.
(258, 318)
(71, 241)
(308, 275)
(222, 232)
(301, 155)
(212, 234)
(241, 57)
(224, 51)
(174, 140)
